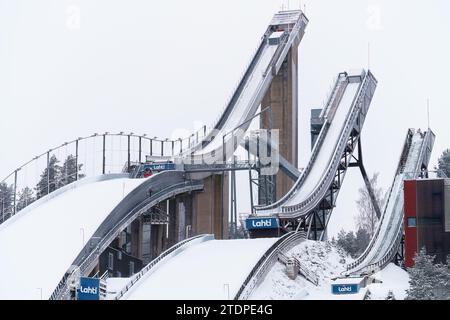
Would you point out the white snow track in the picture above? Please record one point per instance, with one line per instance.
(49, 233)
(251, 90)
(386, 241)
(343, 117)
(213, 269)
(38, 244)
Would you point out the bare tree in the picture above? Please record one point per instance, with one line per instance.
(367, 217)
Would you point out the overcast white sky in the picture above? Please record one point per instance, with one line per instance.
(157, 67)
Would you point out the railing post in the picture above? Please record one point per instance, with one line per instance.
(151, 147)
(252, 204)
(104, 154)
(129, 153)
(15, 191)
(76, 159)
(162, 148)
(224, 151)
(48, 172)
(173, 148)
(140, 149)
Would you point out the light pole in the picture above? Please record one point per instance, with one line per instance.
(82, 235)
(227, 285)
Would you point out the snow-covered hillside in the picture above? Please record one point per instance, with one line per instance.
(38, 244)
(326, 262)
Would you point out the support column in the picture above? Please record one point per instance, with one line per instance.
(136, 238)
(173, 223)
(211, 207)
(282, 97)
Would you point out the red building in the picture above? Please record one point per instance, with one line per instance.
(427, 218)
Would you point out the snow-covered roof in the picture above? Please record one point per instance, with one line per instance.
(286, 17)
(276, 35)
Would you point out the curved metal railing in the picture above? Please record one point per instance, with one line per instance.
(314, 153)
(315, 197)
(83, 157)
(266, 262)
(422, 158)
(62, 289)
(406, 146)
(156, 262)
(360, 104)
(275, 63)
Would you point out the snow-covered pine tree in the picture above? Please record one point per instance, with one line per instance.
(69, 171)
(442, 288)
(362, 240)
(444, 164)
(390, 295)
(25, 198)
(6, 200)
(347, 241)
(424, 278)
(52, 173)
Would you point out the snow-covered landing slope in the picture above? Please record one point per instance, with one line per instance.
(37, 246)
(327, 262)
(321, 258)
(210, 270)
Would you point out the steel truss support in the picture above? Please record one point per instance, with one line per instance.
(233, 211)
(266, 184)
(316, 222)
(399, 257)
(359, 163)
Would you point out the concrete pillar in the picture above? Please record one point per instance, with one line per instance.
(207, 207)
(136, 238)
(184, 216)
(282, 97)
(173, 223)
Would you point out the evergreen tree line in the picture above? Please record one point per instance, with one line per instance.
(429, 281)
(443, 165)
(353, 244)
(366, 221)
(51, 179)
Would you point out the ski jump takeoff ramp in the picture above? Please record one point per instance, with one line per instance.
(385, 244)
(42, 245)
(314, 194)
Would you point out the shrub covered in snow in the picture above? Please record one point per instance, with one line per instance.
(429, 281)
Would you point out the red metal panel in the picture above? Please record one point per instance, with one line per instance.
(410, 210)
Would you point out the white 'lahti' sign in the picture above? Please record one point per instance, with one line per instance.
(261, 223)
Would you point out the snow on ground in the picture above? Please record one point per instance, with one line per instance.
(37, 246)
(210, 270)
(321, 258)
(326, 262)
(394, 278)
(114, 285)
